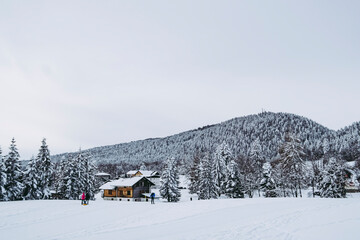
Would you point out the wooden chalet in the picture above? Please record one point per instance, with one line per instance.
(105, 177)
(126, 188)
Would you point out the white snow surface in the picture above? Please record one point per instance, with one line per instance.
(259, 218)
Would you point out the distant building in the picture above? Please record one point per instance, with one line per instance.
(153, 176)
(351, 181)
(103, 176)
(126, 188)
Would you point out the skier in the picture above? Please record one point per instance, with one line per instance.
(83, 201)
(87, 197)
(152, 196)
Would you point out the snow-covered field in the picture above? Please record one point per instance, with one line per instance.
(282, 218)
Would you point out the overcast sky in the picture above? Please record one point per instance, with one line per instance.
(93, 73)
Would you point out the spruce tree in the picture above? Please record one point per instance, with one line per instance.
(60, 182)
(169, 188)
(3, 196)
(45, 170)
(257, 161)
(143, 167)
(221, 159)
(14, 174)
(194, 175)
(332, 184)
(71, 183)
(292, 163)
(87, 173)
(31, 181)
(267, 184)
(234, 187)
(207, 185)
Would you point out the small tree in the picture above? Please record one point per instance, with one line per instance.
(234, 188)
(31, 181)
(60, 176)
(267, 183)
(3, 196)
(257, 161)
(14, 174)
(45, 170)
(169, 188)
(88, 177)
(195, 175)
(292, 163)
(71, 185)
(207, 185)
(332, 184)
(143, 167)
(248, 175)
(221, 159)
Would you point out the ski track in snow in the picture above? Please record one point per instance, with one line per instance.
(253, 219)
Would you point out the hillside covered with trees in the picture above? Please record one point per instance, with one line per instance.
(239, 133)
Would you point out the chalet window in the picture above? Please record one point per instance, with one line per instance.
(128, 192)
(110, 192)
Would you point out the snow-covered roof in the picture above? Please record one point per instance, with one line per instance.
(147, 173)
(108, 185)
(350, 164)
(102, 174)
(122, 182)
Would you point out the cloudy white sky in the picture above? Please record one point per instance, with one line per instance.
(93, 73)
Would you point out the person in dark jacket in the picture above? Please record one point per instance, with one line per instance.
(87, 197)
(152, 196)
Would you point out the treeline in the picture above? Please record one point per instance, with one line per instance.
(42, 179)
(220, 173)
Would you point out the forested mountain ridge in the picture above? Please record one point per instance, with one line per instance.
(238, 133)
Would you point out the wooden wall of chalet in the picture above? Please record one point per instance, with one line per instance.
(123, 192)
(109, 193)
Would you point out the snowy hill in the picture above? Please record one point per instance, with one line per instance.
(269, 127)
(280, 218)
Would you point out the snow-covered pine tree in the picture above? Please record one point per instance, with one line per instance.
(3, 196)
(14, 174)
(223, 151)
(248, 175)
(292, 163)
(207, 185)
(72, 185)
(45, 170)
(221, 159)
(31, 181)
(79, 176)
(88, 173)
(234, 187)
(257, 160)
(194, 175)
(332, 184)
(143, 167)
(267, 183)
(326, 146)
(169, 188)
(60, 183)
